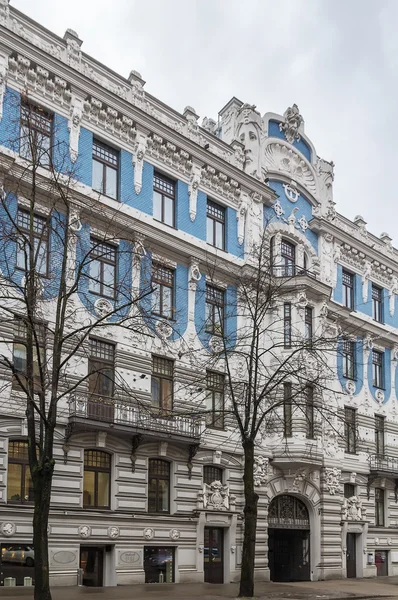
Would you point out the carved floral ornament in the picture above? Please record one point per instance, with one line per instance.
(281, 158)
(353, 510)
(332, 480)
(7, 529)
(216, 496)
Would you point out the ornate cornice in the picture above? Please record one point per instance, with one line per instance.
(89, 76)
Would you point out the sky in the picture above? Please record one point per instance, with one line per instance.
(336, 59)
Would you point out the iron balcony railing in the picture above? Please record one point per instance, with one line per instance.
(384, 464)
(292, 271)
(114, 411)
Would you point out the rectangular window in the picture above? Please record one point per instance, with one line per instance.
(102, 268)
(40, 242)
(348, 289)
(378, 368)
(349, 359)
(101, 368)
(287, 325)
(35, 134)
(308, 326)
(309, 412)
(379, 434)
(350, 430)
(214, 310)
(349, 490)
(377, 303)
(164, 199)
(19, 481)
(163, 291)
(288, 258)
(162, 384)
(287, 410)
(215, 225)
(105, 169)
(158, 486)
(379, 507)
(20, 351)
(215, 400)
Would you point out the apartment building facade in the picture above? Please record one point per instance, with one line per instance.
(141, 496)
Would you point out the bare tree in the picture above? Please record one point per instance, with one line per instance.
(273, 366)
(50, 275)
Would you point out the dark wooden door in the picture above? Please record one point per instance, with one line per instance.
(213, 555)
(289, 555)
(351, 555)
(381, 561)
(92, 562)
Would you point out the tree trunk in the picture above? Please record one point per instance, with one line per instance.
(246, 588)
(42, 479)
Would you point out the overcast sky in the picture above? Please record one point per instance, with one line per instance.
(336, 59)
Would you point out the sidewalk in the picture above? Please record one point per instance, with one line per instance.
(385, 587)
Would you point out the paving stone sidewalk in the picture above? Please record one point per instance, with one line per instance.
(355, 589)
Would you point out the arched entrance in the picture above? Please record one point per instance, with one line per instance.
(288, 539)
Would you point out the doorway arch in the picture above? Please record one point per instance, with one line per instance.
(288, 539)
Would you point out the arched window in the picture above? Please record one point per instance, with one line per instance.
(19, 481)
(212, 473)
(158, 486)
(96, 481)
(288, 512)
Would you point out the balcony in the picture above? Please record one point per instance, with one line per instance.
(89, 412)
(292, 271)
(383, 466)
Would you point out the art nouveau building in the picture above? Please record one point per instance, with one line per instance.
(160, 500)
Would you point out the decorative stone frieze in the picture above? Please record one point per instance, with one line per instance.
(220, 183)
(332, 480)
(109, 119)
(35, 77)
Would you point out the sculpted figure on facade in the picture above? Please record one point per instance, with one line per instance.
(3, 79)
(260, 471)
(249, 131)
(74, 127)
(292, 124)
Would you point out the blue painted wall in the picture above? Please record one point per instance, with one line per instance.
(301, 146)
(9, 125)
(304, 208)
